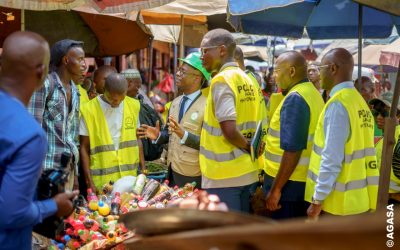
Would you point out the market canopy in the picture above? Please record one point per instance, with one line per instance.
(196, 16)
(105, 6)
(102, 34)
(322, 19)
(390, 55)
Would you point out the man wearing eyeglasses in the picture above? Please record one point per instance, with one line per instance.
(380, 110)
(230, 120)
(290, 137)
(185, 120)
(342, 177)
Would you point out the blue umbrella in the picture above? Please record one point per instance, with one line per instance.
(323, 19)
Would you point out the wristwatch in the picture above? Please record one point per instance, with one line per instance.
(316, 202)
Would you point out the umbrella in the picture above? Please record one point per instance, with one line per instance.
(390, 55)
(193, 14)
(43, 5)
(370, 58)
(389, 6)
(105, 6)
(322, 19)
(103, 35)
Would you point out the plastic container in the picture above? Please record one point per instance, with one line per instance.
(140, 182)
(116, 204)
(92, 199)
(103, 208)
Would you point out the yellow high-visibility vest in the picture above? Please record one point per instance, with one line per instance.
(273, 151)
(84, 98)
(274, 100)
(394, 186)
(106, 163)
(166, 111)
(219, 159)
(356, 188)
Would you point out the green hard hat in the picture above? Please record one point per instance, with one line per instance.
(193, 59)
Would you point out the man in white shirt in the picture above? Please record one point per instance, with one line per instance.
(109, 149)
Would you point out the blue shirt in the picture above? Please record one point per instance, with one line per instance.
(22, 150)
(295, 122)
(337, 131)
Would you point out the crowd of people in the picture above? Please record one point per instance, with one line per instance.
(320, 151)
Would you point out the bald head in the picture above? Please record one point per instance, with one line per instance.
(219, 37)
(23, 52)
(291, 68)
(297, 60)
(25, 62)
(100, 75)
(116, 83)
(338, 67)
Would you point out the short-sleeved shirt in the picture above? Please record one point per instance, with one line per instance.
(295, 122)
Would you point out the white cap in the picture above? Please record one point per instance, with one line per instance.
(367, 72)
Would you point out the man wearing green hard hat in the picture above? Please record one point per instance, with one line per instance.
(185, 119)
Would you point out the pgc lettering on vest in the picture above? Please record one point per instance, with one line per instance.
(390, 225)
(366, 117)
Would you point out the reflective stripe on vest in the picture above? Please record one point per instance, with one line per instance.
(112, 170)
(111, 147)
(352, 185)
(218, 132)
(358, 154)
(277, 134)
(274, 152)
(236, 153)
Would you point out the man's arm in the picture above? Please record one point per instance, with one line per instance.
(233, 135)
(192, 141)
(337, 131)
(18, 210)
(225, 111)
(295, 122)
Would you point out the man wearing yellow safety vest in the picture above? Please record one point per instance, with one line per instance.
(343, 176)
(109, 148)
(380, 110)
(290, 138)
(230, 119)
(239, 58)
(185, 120)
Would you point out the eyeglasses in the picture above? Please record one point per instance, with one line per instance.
(203, 50)
(183, 72)
(383, 113)
(319, 67)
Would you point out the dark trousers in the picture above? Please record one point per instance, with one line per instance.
(179, 180)
(236, 198)
(292, 199)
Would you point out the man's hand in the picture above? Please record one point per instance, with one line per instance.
(261, 149)
(314, 211)
(175, 127)
(64, 203)
(145, 131)
(272, 201)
